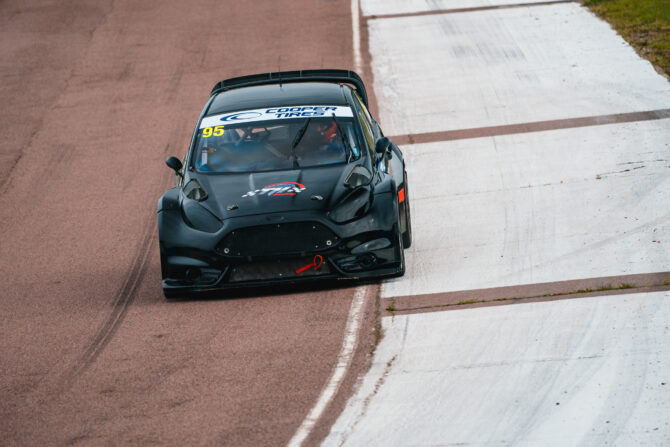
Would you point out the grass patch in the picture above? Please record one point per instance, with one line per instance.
(645, 24)
(461, 303)
(391, 307)
(589, 290)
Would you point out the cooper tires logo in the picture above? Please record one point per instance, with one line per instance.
(242, 116)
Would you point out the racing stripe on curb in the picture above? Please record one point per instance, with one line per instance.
(550, 291)
(458, 10)
(535, 126)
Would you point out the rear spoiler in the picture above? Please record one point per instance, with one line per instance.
(278, 77)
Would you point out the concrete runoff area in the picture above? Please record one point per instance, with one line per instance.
(542, 207)
(587, 372)
(538, 207)
(505, 66)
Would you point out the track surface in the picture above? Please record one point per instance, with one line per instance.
(94, 99)
(97, 96)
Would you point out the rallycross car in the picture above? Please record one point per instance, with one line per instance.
(288, 179)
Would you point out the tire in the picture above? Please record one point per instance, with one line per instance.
(407, 234)
(400, 272)
(399, 236)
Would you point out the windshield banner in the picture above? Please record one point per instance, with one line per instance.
(274, 113)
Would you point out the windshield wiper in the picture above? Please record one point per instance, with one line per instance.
(296, 141)
(345, 142)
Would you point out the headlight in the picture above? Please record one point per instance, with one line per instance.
(353, 206)
(359, 176)
(199, 218)
(194, 191)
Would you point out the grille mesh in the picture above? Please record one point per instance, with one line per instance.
(278, 239)
(278, 269)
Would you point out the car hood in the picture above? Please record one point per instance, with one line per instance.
(246, 194)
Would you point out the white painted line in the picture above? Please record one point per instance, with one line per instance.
(357, 304)
(343, 361)
(355, 25)
(563, 373)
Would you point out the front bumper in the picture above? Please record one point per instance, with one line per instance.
(279, 249)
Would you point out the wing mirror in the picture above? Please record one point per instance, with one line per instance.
(383, 146)
(174, 163)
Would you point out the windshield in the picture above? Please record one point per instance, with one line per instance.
(275, 144)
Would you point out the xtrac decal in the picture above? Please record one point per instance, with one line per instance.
(275, 113)
(278, 189)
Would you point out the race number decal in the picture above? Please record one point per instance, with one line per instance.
(215, 131)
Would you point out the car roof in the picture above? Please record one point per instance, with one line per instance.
(277, 95)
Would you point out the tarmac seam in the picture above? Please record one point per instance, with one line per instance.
(534, 126)
(460, 10)
(593, 287)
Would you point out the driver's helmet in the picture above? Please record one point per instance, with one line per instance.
(320, 133)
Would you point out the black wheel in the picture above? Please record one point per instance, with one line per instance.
(398, 235)
(407, 234)
(401, 252)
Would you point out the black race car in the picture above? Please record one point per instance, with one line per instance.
(288, 179)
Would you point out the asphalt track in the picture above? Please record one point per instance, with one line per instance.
(95, 96)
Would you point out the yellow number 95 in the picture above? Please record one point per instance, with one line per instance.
(209, 131)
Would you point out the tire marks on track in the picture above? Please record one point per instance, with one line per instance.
(122, 301)
(127, 293)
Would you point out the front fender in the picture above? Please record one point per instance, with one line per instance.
(169, 200)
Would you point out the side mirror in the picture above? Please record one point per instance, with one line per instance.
(382, 145)
(174, 163)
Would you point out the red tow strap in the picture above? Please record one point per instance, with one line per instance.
(318, 261)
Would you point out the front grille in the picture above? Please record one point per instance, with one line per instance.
(277, 269)
(278, 239)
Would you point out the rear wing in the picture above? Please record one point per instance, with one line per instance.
(335, 76)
